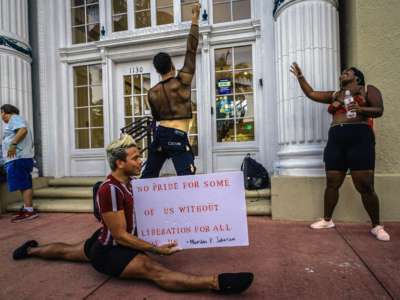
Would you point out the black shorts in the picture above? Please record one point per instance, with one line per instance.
(111, 260)
(350, 146)
(90, 241)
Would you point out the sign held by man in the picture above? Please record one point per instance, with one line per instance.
(196, 211)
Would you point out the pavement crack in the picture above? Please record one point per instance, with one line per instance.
(366, 265)
(97, 288)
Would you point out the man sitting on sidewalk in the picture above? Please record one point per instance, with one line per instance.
(115, 249)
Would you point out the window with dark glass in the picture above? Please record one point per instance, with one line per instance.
(186, 9)
(88, 107)
(231, 10)
(85, 21)
(142, 13)
(165, 12)
(119, 15)
(136, 105)
(234, 102)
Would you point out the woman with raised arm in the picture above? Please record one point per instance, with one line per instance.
(351, 142)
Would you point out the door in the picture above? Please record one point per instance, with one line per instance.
(133, 80)
(233, 103)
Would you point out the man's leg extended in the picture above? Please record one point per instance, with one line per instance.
(62, 251)
(144, 267)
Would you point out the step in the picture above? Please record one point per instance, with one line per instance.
(75, 181)
(57, 205)
(258, 207)
(63, 192)
(262, 193)
(90, 181)
(85, 190)
(255, 207)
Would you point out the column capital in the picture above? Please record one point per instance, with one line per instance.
(16, 45)
(280, 5)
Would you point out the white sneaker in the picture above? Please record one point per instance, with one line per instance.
(322, 224)
(380, 233)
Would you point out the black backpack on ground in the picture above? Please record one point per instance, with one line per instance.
(96, 210)
(255, 175)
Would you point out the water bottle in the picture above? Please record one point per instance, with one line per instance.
(348, 98)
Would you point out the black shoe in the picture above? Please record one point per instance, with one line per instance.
(22, 251)
(234, 283)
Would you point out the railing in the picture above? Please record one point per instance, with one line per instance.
(139, 129)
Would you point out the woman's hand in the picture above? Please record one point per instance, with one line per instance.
(167, 249)
(295, 69)
(354, 107)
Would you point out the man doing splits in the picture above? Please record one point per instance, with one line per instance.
(115, 250)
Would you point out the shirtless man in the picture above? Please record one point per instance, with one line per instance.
(170, 103)
(115, 249)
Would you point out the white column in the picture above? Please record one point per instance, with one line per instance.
(206, 85)
(15, 65)
(306, 32)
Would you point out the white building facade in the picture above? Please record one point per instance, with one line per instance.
(15, 57)
(95, 67)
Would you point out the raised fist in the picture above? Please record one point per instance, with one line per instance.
(196, 10)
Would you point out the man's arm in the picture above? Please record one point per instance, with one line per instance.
(20, 135)
(115, 221)
(321, 97)
(189, 66)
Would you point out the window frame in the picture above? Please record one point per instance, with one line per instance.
(234, 144)
(86, 24)
(84, 151)
(161, 7)
(180, 12)
(131, 96)
(112, 15)
(211, 14)
(195, 91)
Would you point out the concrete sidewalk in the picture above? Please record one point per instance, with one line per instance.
(289, 260)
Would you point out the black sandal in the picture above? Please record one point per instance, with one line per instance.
(22, 251)
(234, 283)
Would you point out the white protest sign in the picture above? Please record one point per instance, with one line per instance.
(199, 211)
